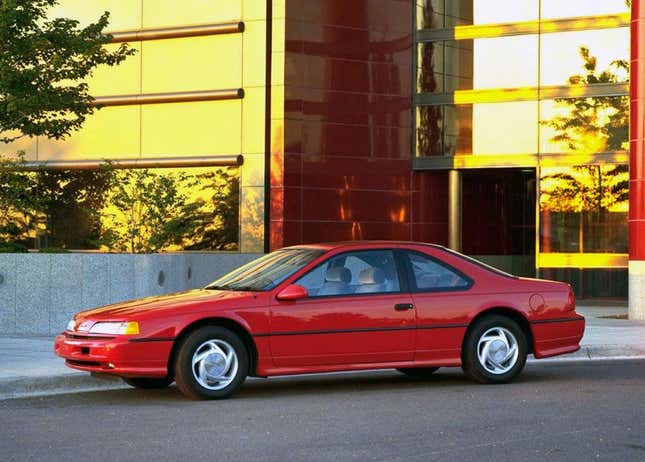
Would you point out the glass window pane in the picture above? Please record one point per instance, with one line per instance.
(430, 275)
(430, 67)
(505, 128)
(193, 63)
(571, 8)
(429, 125)
(583, 209)
(458, 66)
(506, 62)
(435, 14)
(584, 125)
(160, 13)
(191, 129)
(585, 57)
(430, 14)
(495, 11)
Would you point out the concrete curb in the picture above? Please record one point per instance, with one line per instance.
(597, 353)
(29, 387)
(25, 387)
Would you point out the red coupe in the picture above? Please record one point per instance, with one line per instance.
(330, 307)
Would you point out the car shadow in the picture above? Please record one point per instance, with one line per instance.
(319, 385)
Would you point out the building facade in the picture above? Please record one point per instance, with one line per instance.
(498, 127)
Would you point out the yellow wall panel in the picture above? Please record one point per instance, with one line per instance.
(164, 13)
(254, 65)
(253, 119)
(122, 79)
(124, 14)
(192, 63)
(191, 129)
(254, 9)
(112, 132)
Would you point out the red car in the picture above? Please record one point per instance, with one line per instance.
(330, 307)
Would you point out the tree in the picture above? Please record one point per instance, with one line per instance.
(43, 63)
(595, 195)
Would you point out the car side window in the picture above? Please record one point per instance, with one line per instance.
(429, 274)
(361, 272)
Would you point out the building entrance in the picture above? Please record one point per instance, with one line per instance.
(499, 218)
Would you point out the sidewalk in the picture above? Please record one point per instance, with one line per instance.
(28, 366)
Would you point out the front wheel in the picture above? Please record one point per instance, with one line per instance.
(211, 363)
(147, 382)
(495, 350)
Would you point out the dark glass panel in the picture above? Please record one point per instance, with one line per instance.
(142, 210)
(591, 283)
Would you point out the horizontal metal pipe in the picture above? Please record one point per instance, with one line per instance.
(174, 97)
(176, 32)
(159, 162)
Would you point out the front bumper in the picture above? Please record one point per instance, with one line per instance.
(120, 355)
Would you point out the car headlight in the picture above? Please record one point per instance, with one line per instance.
(71, 325)
(115, 328)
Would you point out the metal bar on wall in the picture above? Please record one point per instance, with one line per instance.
(162, 162)
(139, 35)
(174, 97)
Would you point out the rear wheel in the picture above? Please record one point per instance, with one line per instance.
(495, 350)
(211, 363)
(147, 382)
(418, 372)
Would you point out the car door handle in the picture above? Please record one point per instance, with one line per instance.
(403, 306)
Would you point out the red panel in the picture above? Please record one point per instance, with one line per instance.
(358, 108)
(637, 134)
(435, 233)
(330, 231)
(356, 173)
(637, 189)
(356, 205)
(637, 239)
(347, 169)
(330, 139)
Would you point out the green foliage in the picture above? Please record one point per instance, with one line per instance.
(19, 202)
(42, 64)
(12, 247)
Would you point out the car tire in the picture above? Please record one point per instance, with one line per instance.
(148, 382)
(211, 363)
(495, 350)
(418, 372)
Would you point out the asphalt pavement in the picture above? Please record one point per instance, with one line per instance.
(28, 366)
(582, 411)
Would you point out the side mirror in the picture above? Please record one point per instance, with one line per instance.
(292, 293)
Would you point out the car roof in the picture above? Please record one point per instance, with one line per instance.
(364, 243)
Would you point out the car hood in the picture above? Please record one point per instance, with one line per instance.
(189, 301)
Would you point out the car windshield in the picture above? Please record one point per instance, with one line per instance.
(266, 272)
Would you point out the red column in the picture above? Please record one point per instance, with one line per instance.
(637, 164)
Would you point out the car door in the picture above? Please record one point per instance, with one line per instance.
(358, 311)
(442, 299)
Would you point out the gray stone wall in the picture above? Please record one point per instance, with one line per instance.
(40, 292)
